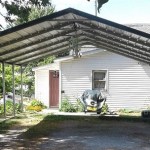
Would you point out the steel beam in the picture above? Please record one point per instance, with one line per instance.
(35, 43)
(115, 32)
(117, 50)
(42, 52)
(127, 49)
(119, 40)
(31, 35)
(24, 62)
(35, 50)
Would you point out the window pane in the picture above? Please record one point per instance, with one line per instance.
(99, 75)
(99, 85)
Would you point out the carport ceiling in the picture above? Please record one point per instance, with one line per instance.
(51, 34)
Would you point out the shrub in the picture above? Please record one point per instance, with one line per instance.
(35, 105)
(66, 106)
(104, 108)
(10, 107)
(34, 108)
(128, 111)
(79, 106)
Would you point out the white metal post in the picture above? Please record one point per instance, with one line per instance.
(3, 77)
(13, 90)
(21, 90)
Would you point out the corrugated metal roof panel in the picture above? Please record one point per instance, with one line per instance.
(25, 40)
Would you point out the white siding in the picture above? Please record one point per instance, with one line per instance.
(128, 84)
(42, 86)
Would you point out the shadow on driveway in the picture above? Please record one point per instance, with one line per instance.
(57, 132)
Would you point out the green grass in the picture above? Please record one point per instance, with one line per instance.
(50, 124)
(38, 125)
(23, 119)
(5, 125)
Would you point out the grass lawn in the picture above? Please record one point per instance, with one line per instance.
(37, 124)
(21, 120)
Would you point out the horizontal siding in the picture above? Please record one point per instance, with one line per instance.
(128, 81)
(42, 86)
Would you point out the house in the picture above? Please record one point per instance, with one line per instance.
(126, 80)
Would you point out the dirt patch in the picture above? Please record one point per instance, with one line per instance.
(84, 133)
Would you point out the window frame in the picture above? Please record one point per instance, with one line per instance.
(106, 78)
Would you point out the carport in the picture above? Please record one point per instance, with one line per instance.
(65, 30)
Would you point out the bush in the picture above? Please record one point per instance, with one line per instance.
(127, 111)
(35, 105)
(104, 108)
(79, 106)
(66, 106)
(9, 107)
(34, 108)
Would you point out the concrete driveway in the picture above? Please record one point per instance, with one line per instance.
(100, 135)
(89, 133)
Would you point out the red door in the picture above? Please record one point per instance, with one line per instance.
(54, 88)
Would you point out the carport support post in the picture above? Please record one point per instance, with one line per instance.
(13, 90)
(3, 77)
(21, 89)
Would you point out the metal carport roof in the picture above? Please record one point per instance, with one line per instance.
(51, 34)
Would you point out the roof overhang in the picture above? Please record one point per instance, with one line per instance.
(51, 34)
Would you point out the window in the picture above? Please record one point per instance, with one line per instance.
(99, 79)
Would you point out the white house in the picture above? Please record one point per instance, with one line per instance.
(126, 80)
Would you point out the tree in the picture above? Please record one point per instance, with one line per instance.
(20, 9)
(8, 77)
(28, 76)
(40, 12)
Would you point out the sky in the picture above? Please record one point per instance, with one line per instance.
(120, 11)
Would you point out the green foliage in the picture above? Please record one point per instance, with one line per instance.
(5, 125)
(35, 105)
(8, 77)
(35, 102)
(127, 111)
(21, 9)
(40, 12)
(1, 96)
(10, 107)
(79, 106)
(46, 60)
(104, 108)
(38, 8)
(66, 106)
